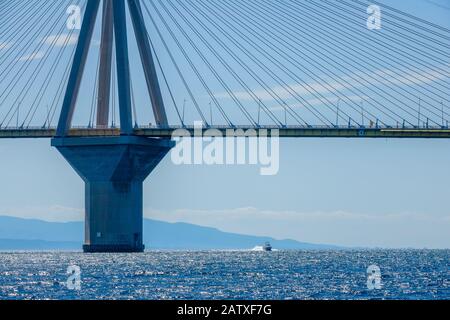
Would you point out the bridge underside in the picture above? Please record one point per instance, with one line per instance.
(289, 132)
(113, 170)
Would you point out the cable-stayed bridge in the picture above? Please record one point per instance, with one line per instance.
(110, 81)
(288, 64)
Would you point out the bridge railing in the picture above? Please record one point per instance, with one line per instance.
(225, 127)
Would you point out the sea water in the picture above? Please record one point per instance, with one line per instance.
(404, 274)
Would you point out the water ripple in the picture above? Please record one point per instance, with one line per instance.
(406, 274)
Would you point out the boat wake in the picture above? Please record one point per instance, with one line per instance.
(258, 248)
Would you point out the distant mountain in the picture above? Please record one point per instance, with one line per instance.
(27, 234)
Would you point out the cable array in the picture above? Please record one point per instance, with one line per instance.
(233, 62)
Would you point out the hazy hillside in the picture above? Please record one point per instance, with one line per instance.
(23, 234)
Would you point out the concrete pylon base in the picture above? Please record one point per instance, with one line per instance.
(113, 169)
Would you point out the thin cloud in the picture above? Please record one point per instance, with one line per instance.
(355, 80)
(62, 40)
(316, 102)
(33, 56)
(53, 213)
(4, 45)
(197, 216)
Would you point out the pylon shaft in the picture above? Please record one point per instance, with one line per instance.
(106, 53)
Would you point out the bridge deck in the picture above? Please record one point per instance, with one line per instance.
(287, 132)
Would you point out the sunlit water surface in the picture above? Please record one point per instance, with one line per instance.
(405, 274)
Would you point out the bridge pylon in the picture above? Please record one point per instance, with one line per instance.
(113, 168)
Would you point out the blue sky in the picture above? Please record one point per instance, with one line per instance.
(387, 193)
